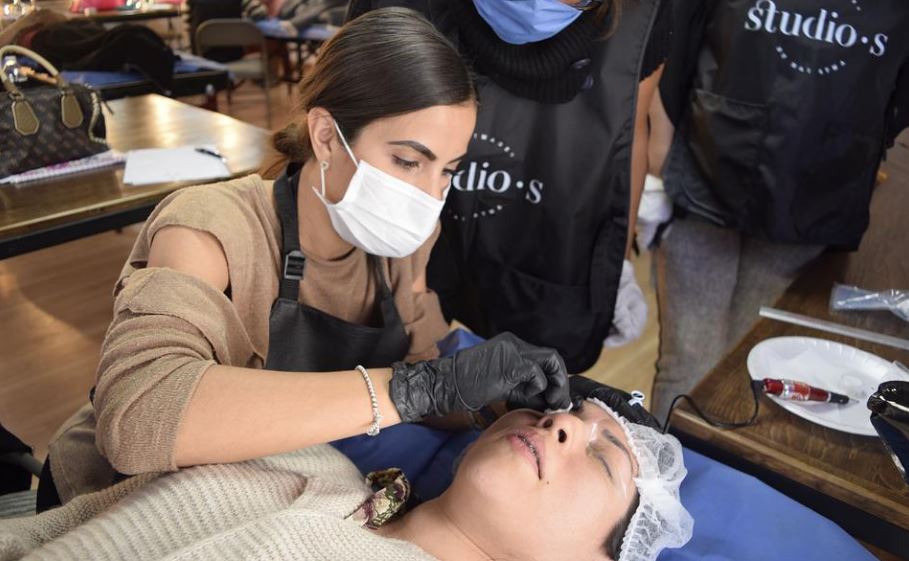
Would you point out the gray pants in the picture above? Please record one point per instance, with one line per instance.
(711, 281)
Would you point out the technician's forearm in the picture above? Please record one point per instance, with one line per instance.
(638, 172)
(639, 150)
(661, 133)
(237, 414)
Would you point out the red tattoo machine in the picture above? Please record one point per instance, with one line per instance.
(800, 391)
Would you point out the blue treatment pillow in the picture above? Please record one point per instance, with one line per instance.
(739, 518)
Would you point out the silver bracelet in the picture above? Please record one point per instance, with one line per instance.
(374, 428)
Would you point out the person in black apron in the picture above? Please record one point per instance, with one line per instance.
(535, 233)
(779, 113)
(366, 202)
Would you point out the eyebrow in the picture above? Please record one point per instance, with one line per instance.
(430, 155)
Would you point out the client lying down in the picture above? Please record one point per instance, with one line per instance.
(584, 485)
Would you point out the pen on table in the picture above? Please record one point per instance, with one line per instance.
(800, 391)
(211, 153)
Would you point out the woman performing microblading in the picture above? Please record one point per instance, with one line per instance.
(257, 317)
(587, 484)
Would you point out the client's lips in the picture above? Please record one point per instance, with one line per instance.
(529, 445)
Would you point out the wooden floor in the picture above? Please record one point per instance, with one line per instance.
(55, 306)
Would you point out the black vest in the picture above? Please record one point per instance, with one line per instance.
(534, 230)
(786, 118)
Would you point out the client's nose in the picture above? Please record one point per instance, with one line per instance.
(563, 426)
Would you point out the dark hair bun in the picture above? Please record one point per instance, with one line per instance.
(287, 141)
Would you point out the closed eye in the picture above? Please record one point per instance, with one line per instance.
(406, 164)
(602, 461)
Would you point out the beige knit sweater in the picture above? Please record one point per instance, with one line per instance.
(169, 327)
(289, 507)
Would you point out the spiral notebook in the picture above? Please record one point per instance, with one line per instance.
(98, 161)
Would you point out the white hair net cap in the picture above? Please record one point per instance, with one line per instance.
(660, 520)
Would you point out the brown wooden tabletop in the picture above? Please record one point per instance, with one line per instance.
(850, 479)
(37, 215)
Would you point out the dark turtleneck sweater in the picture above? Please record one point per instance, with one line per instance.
(549, 71)
(553, 70)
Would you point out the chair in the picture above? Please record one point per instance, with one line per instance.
(238, 33)
(200, 11)
(17, 467)
(312, 12)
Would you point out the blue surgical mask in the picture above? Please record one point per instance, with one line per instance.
(526, 21)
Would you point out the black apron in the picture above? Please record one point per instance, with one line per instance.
(534, 230)
(786, 119)
(304, 339)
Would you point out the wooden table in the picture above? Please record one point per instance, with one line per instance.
(850, 479)
(34, 216)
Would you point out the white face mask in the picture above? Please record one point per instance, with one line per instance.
(381, 214)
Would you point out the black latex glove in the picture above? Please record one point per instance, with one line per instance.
(583, 388)
(504, 368)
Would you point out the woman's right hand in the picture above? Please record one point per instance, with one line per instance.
(504, 368)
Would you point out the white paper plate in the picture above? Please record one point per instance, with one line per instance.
(829, 365)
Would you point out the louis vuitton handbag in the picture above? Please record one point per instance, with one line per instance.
(43, 124)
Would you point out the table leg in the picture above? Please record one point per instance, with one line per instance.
(211, 98)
